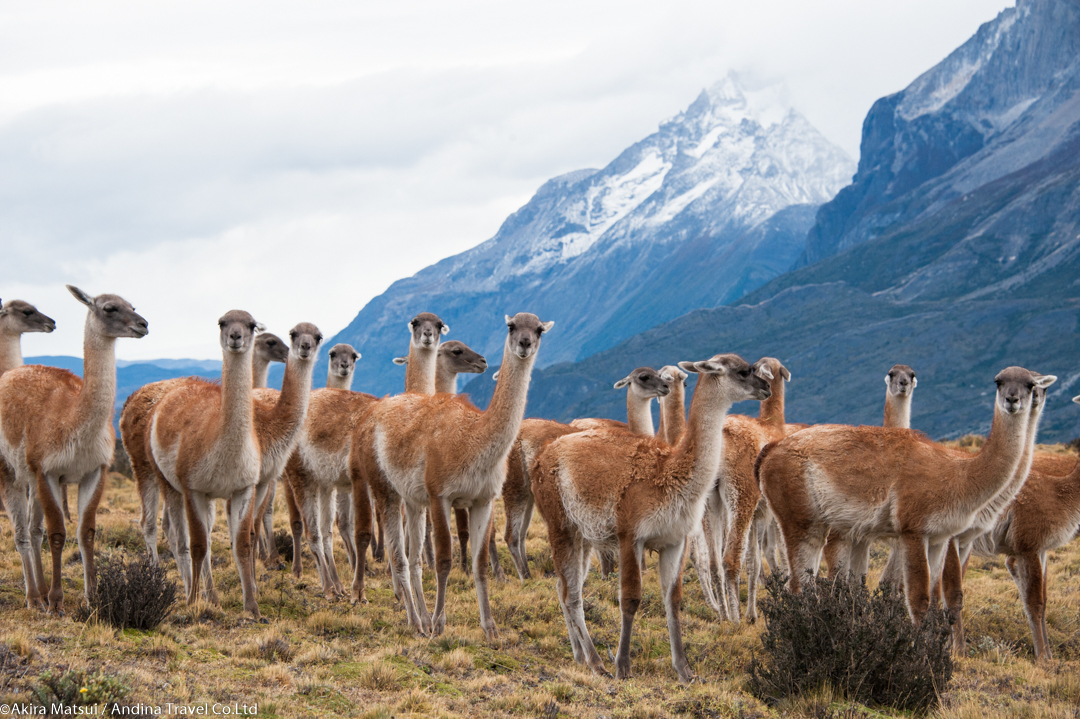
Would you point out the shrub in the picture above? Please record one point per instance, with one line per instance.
(130, 594)
(283, 542)
(79, 687)
(835, 633)
(121, 462)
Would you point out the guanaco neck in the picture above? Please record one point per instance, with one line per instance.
(334, 381)
(897, 410)
(638, 413)
(998, 461)
(98, 394)
(772, 409)
(502, 420)
(1008, 493)
(288, 414)
(445, 379)
(237, 416)
(702, 442)
(420, 369)
(10, 350)
(673, 414)
(260, 371)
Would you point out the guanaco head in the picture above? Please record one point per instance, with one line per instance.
(305, 339)
(18, 317)
(524, 330)
(343, 360)
(901, 380)
(732, 374)
(674, 376)
(238, 330)
(457, 357)
(770, 368)
(270, 348)
(1016, 388)
(427, 330)
(645, 382)
(111, 315)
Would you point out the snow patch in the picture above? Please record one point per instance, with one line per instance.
(677, 204)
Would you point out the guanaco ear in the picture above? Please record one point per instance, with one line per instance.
(785, 373)
(445, 329)
(688, 366)
(710, 366)
(623, 382)
(495, 376)
(1045, 380)
(1077, 399)
(546, 326)
(410, 325)
(356, 356)
(764, 372)
(260, 327)
(914, 382)
(509, 319)
(886, 379)
(401, 360)
(80, 295)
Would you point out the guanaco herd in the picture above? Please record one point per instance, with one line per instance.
(723, 491)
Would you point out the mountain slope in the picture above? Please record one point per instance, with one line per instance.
(839, 353)
(1004, 105)
(718, 201)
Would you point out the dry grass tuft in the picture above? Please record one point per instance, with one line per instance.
(379, 677)
(21, 643)
(415, 702)
(276, 675)
(271, 647)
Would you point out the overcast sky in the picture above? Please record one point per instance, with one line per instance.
(294, 159)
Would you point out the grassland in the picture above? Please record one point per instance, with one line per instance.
(317, 657)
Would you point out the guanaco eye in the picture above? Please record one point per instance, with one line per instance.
(457, 352)
(110, 309)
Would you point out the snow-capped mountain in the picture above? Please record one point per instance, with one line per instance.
(956, 250)
(712, 205)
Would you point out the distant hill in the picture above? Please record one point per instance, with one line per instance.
(130, 376)
(956, 249)
(714, 204)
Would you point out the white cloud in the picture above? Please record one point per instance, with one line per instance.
(295, 159)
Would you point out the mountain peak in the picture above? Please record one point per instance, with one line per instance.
(735, 98)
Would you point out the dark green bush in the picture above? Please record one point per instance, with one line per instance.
(121, 462)
(283, 542)
(134, 594)
(836, 633)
